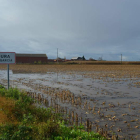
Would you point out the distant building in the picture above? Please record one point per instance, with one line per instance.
(51, 60)
(31, 58)
(77, 58)
(59, 60)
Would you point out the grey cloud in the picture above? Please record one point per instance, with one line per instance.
(75, 27)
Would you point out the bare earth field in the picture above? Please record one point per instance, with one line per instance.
(106, 98)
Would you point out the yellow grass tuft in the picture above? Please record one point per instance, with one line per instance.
(6, 107)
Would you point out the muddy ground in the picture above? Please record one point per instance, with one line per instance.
(107, 96)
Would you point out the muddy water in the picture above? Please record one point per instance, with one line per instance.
(112, 103)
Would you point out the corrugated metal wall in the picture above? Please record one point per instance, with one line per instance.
(31, 59)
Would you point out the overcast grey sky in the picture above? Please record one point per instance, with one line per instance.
(93, 28)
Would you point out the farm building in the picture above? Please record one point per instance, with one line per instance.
(31, 58)
(76, 58)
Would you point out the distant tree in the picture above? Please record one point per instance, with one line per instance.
(39, 62)
(83, 58)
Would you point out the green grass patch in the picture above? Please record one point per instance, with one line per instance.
(36, 123)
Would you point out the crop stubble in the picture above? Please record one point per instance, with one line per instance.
(108, 96)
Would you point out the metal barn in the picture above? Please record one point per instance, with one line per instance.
(31, 58)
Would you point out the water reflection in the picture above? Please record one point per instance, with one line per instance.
(113, 102)
(25, 72)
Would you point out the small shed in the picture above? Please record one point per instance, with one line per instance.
(31, 58)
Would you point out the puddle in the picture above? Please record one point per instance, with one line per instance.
(111, 102)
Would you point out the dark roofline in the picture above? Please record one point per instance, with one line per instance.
(30, 55)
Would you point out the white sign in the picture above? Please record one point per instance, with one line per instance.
(7, 57)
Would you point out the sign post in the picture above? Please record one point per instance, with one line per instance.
(8, 74)
(7, 58)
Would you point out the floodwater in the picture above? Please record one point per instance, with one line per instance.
(112, 103)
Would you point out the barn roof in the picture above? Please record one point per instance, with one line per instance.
(30, 55)
(74, 58)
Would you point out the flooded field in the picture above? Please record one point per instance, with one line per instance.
(104, 98)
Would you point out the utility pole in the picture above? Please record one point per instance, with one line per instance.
(57, 55)
(121, 58)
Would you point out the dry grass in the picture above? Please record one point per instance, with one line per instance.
(41, 68)
(6, 114)
(119, 69)
(103, 62)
